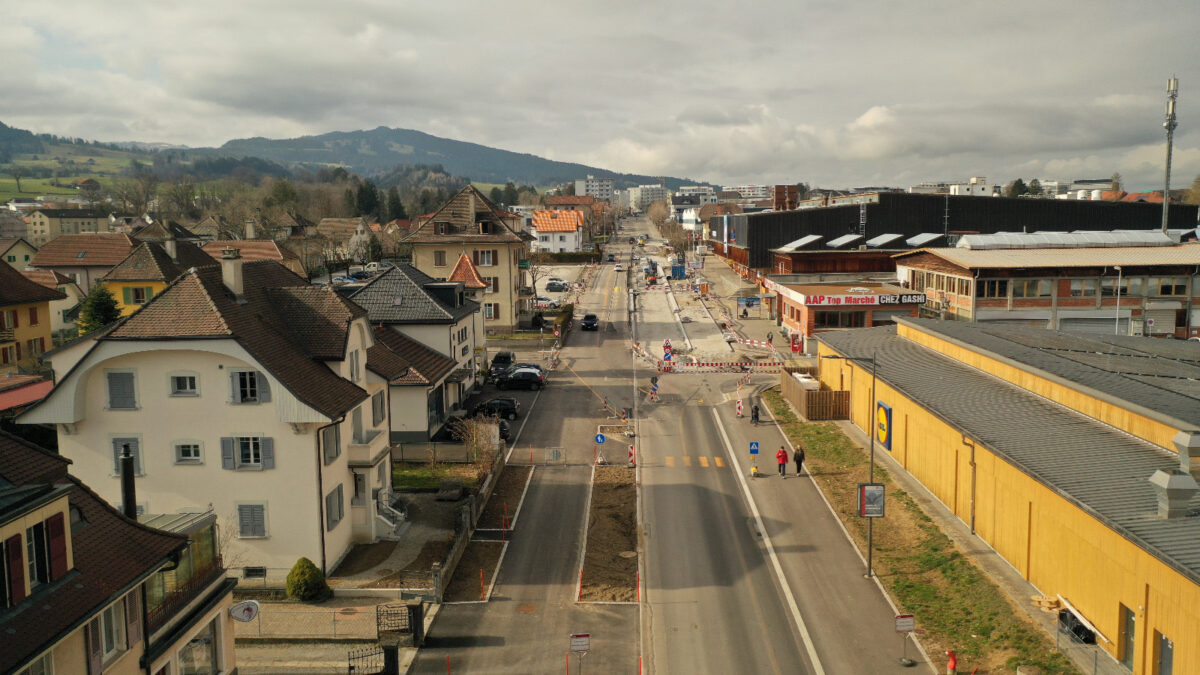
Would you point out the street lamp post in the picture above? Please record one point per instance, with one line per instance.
(1117, 319)
(871, 433)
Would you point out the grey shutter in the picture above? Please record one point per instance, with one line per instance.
(227, 458)
(244, 520)
(329, 512)
(252, 520)
(133, 615)
(133, 450)
(264, 387)
(341, 503)
(120, 390)
(267, 445)
(95, 649)
(235, 393)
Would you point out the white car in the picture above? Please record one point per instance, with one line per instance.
(556, 280)
(619, 268)
(542, 302)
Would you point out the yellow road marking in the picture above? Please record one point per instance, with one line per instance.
(704, 462)
(720, 462)
(687, 460)
(670, 461)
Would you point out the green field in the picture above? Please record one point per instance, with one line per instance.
(105, 164)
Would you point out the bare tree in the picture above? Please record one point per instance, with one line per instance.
(658, 212)
(17, 172)
(1193, 193)
(481, 435)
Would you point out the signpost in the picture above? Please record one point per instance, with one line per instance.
(600, 439)
(557, 332)
(870, 500)
(905, 624)
(753, 458)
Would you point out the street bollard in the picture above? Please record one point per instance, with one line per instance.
(952, 664)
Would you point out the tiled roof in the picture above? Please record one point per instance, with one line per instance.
(1100, 469)
(9, 242)
(19, 397)
(15, 289)
(317, 318)
(569, 200)
(1183, 254)
(251, 249)
(557, 221)
(386, 363)
(84, 250)
(339, 228)
(197, 305)
(110, 554)
(462, 217)
(466, 272)
(47, 278)
(160, 230)
(428, 366)
(399, 295)
(151, 262)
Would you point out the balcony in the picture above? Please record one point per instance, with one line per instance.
(365, 449)
(7, 335)
(525, 291)
(176, 599)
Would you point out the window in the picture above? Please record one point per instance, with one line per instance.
(247, 453)
(184, 385)
(354, 366)
(333, 508)
(187, 452)
(1130, 287)
(43, 665)
(544, 237)
(1031, 288)
(378, 408)
(331, 443)
(33, 316)
(486, 258)
(112, 629)
(491, 310)
(1084, 288)
(839, 319)
(118, 446)
(121, 393)
(252, 520)
(439, 258)
(492, 284)
(8, 354)
(8, 319)
(991, 288)
(137, 295)
(35, 346)
(249, 386)
(1168, 286)
(37, 555)
(199, 655)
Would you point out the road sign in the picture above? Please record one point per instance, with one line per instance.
(905, 623)
(557, 332)
(666, 356)
(244, 611)
(754, 447)
(600, 439)
(581, 642)
(653, 388)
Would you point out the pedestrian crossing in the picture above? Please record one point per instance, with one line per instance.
(688, 461)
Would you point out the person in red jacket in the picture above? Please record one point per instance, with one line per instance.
(782, 458)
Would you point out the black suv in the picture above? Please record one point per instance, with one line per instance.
(590, 322)
(522, 378)
(505, 407)
(501, 361)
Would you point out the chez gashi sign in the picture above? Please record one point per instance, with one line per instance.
(884, 299)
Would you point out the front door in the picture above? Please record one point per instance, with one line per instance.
(1166, 655)
(1128, 632)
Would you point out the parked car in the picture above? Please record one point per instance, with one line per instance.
(612, 257)
(542, 302)
(557, 286)
(520, 378)
(557, 280)
(343, 279)
(530, 366)
(619, 268)
(360, 275)
(590, 322)
(502, 406)
(500, 362)
(379, 266)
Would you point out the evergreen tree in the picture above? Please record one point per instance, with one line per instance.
(1035, 187)
(395, 207)
(98, 310)
(496, 195)
(367, 200)
(510, 194)
(1015, 188)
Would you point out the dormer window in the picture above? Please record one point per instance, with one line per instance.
(440, 228)
(485, 228)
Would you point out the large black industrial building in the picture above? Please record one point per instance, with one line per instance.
(749, 238)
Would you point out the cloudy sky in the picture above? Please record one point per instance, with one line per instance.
(836, 93)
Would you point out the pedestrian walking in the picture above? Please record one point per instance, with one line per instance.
(782, 457)
(754, 415)
(798, 457)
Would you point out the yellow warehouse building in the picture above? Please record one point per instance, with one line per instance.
(1075, 456)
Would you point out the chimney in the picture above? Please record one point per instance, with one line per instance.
(231, 272)
(1187, 444)
(168, 245)
(251, 230)
(1174, 489)
(128, 493)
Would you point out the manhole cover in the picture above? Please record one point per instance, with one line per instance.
(348, 611)
(527, 609)
(628, 554)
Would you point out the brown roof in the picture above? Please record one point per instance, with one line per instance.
(16, 289)
(151, 262)
(569, 200)
(47, 278)
(277, 302)
(9, 242)
(84, 250)
(386, 363)
(465, 217)
(163, 229)
(110, 554)
(339, 228)
(465, 271)
(251, 249)
(428, 366)
(557, 221)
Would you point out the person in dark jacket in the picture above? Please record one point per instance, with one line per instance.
(782, 457)
(798, 457)
(754, 415)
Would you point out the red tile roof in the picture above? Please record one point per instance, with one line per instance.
(16, 289)
(557, 221)
(84, 250)
(27, 394)
(47, 278)
(465, 271)
(251, 249)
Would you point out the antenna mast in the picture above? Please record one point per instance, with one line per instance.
(1169, 124)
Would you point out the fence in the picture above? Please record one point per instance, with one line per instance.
(467, 519)
(260, 577)
(312, 622)
(823, 404)
(436, 452)
(365, 660)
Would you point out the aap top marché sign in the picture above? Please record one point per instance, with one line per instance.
(882, 299)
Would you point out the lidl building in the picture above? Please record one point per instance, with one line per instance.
(1074, 456)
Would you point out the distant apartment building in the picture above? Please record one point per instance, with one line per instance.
(751, 191)
(976, 186)
(644, 195)
(599, 188)
(930, 188)
(48, 224)
(697, 190)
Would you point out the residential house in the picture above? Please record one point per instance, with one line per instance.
(242, 387)
(25, 323)
(583, 204)
(17, 252)
(12, 225)
(87, 589)
(258, 249)
(63, 312)
(210, 228)
(558, 231)
(469, 224)
(148, 269)
(47, 224)
(85, 258)
(433, 316)
(163, 230)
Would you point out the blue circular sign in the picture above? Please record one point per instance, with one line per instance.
(600, 439)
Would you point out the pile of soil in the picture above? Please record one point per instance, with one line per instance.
(465, 584)
(509, 489)
(611, 564)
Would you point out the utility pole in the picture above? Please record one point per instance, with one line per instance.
(1169, 124)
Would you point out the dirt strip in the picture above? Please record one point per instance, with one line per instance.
(611, 563)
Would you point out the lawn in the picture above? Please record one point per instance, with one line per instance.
(957, 606)
(428, 476)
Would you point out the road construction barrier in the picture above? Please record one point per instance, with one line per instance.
(719, 367)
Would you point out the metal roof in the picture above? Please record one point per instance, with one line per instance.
(806, 240)
(1177, 254)
(883, 240)
(1065, 240)
(923, 239)
(844, 240)
(1102, 470)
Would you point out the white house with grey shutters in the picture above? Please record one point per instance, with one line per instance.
(243, 389)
